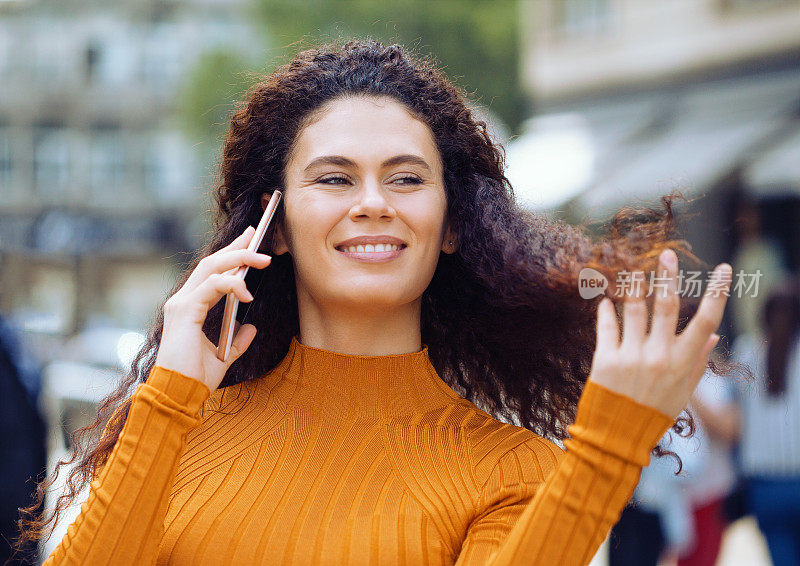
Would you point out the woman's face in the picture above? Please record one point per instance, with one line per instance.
(365, 167)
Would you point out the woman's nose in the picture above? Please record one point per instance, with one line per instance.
(371, 201)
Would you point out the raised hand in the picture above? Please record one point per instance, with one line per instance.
(184, 346)
(660, 369)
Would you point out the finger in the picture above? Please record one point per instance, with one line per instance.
(217, 285)
(237, 258)
(700, 366)
(201, 271)
(634, 313)
(607, 327)
(241, 341)
(666, 303)
(709, 313)
(242, 241)
(227, 264)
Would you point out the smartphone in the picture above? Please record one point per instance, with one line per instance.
(231, 302)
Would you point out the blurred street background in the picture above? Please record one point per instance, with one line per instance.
(112, 115)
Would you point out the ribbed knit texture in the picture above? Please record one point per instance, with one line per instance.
(343, 459)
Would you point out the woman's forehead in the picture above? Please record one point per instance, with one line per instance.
(365, 130)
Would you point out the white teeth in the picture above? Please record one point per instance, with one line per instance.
(372, 248)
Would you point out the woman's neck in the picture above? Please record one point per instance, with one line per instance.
(360, 330)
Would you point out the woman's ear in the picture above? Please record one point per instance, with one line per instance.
(450, 242)
(279, 246)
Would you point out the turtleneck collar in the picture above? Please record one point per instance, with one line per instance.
(375, 386)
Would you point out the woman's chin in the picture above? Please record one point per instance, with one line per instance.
(371, 296)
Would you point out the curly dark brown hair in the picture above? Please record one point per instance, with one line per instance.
(502, 317)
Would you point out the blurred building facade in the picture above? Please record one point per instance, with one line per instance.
(100, 188)
(102, 192)
(633, 99)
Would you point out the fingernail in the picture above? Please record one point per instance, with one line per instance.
(667, 257)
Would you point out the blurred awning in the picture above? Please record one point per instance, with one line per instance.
(777, 171)
(644, 145)
(553, 161)
(561, 153)
(691, 157)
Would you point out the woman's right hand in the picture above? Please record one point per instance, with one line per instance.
(184, 346)
(661, 368)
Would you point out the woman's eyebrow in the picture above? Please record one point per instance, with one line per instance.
(342, 161)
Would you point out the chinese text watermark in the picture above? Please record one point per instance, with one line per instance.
(592, 283)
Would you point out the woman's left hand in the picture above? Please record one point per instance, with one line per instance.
(660, 369)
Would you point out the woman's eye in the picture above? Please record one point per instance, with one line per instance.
(408, 180)
(327, 179)
(411, 180)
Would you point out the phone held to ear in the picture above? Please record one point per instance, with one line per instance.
(231, 302)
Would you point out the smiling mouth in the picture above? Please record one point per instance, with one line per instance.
(371, 248)
(388, 253)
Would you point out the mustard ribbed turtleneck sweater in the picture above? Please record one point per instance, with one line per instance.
(343, 459)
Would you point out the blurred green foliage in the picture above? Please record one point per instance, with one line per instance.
(475, 42)
(209, 91)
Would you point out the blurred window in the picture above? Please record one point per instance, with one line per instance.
(5, 158)
(91, 60)
(51, 160)
(109, 59)
(5, 48)
(134, 290)
(53, 59)
(48, 302)
(107, 162)
(161, 63)
(581, 16)
(748, 4)
(167, 166)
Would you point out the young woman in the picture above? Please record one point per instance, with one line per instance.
(357, 420)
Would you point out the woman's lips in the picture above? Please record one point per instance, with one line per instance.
(372, 257)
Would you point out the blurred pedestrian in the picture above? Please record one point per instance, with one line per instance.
(22, 439)
(708, 486)
(770, 438)
(758, 255)
(658, 521)
(680, 516)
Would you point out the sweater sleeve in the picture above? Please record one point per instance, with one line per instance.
(563, 518)
(122, 519)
